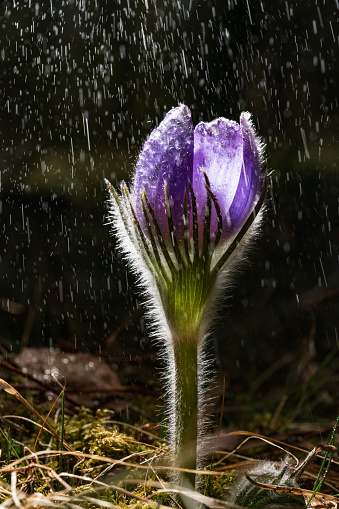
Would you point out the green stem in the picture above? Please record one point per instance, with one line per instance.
(185, 431)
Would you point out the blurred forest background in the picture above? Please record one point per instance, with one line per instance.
(82, 84)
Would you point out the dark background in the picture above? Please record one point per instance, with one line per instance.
(82, 84)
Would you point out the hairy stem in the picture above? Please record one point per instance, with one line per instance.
(185, 431)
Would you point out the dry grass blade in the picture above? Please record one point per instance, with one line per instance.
(50, 472)
(10, 390)
(56, 499)
(202, 499)
(102, 459)
(274, 443)
(51, 409)
(14, 490)
(66, 498)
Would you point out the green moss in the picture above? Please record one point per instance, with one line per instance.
(106, 495)
(103, 442)
(217, 487)
(76, 426)
(119, 499)
(89, 434)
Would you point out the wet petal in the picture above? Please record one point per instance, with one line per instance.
(218, 151)
(167, 156)
(249, 183)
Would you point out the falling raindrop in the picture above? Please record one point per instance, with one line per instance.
(82, 85)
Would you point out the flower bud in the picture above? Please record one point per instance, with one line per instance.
(195, 201)
(195, 196)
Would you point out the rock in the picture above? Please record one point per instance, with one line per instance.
(82, 371)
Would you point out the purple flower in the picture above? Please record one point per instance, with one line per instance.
(218, 161)
(194, 204)
(196, 194)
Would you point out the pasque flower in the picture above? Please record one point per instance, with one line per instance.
(223, 153)
(195, 201)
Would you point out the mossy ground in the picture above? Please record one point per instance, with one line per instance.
(116, 461)
(117, 464)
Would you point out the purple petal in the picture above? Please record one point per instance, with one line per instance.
(167, 156)
(249, 183)
(218, 151)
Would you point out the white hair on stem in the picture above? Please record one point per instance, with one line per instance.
(133, 252)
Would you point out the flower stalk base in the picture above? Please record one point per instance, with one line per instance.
(185, 432)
